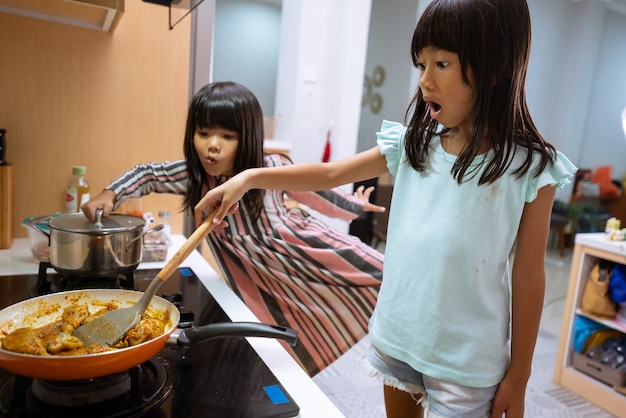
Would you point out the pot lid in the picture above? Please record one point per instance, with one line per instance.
(41, 222)
(114, 223)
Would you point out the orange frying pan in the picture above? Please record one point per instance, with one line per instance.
(44, 310)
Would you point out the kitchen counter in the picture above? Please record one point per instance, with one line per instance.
(312, 401)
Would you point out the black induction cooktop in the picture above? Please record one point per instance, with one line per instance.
(218, 378)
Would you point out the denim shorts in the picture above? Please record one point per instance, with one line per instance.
(441, 398)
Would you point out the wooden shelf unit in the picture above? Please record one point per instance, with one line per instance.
(587, 250)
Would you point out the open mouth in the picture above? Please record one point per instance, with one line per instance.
(435, 109)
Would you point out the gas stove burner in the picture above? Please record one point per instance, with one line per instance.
(222, 378)
(61, 283)
(81, 392)
(48, 282)
(127, 394)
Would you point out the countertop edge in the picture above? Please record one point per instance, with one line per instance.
(599, 240)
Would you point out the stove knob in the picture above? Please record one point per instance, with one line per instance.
(186, 319)
(175, 298)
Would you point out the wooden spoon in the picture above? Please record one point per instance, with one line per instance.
(110, 328)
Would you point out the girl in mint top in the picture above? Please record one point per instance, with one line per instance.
(470, 230)
(457, 316)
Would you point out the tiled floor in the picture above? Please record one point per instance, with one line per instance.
(359, 396)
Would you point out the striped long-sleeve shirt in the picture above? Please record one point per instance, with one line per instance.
(288, 267)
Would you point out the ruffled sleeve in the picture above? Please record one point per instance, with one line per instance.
(390, 141)
(557, 174)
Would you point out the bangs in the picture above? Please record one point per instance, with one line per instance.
(214, 113)
(439, 27)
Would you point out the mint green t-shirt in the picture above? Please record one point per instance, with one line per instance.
(444, 304)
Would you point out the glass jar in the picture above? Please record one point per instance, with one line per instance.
(77, 190)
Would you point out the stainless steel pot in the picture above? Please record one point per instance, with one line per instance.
(106, 247)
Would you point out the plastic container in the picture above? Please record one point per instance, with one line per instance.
(77, 190)
(39, 243)
(155, 247)
(165, 218)
(156, 244)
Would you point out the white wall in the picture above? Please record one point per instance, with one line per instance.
(319, 83)
(389, 46)
(320, 75)
(320, 67)
(604, 141)
(576, 84)
(322, 61)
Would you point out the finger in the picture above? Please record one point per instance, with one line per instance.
(106, 210)
(198, 215)
(234, 208)
(88, 214)
(218, 216)
(498, 413)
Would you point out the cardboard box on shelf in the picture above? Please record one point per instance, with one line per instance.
(599, 370)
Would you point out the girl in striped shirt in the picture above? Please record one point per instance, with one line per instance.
(287, 266)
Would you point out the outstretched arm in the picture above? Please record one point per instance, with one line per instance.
(310, 176)
(528, 286)
(364, 194)
(142, 179)
(336, 203)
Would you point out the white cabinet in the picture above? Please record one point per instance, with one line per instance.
(588, 249)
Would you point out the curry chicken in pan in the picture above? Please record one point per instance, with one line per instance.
(56, 338)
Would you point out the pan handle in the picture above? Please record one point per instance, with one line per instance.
(190, 336)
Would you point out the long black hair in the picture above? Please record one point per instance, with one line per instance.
(492, 37)
(230, 106)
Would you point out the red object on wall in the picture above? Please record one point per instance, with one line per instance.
(326, 155)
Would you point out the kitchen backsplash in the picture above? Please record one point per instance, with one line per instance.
(73, 96)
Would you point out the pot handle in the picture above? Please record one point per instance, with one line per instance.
(155, 228)
(98, 224)
(190, 336)
(33, 224)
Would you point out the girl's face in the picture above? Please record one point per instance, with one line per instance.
(216, 148)
(451, 101)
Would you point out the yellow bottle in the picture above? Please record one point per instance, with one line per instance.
(77, 191)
